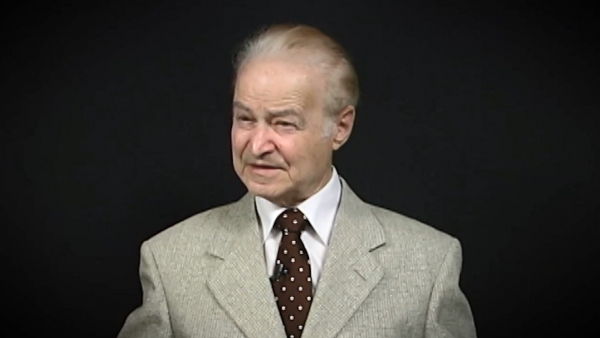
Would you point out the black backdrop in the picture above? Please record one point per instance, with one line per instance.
(475, 118)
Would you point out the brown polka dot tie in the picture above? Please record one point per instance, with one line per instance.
(292, 284)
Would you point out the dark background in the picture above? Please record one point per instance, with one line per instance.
(476, 118)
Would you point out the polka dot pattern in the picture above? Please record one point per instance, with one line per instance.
(293, 288)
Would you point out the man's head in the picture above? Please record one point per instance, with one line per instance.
(294, 98)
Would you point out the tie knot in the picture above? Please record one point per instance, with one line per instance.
(291, 220)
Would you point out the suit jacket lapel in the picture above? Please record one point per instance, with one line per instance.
(350, 271)
(240, 284)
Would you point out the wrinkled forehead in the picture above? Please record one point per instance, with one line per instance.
(273, 79)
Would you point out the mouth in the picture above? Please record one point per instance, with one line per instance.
(262, 168)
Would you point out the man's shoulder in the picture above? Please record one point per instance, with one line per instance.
(197, 229)
(399, 228)
(410, 231)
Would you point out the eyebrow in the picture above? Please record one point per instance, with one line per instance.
(275, 113)
(283, 113)
(239, 105)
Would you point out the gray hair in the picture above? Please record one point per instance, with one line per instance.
(291, 40)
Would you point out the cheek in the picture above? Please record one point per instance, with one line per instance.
(300, 153)
(237, 141)
(289, 150)
(317, 153)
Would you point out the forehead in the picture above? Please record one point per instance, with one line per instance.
(267, 82)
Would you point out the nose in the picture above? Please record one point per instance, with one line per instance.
(261, 142)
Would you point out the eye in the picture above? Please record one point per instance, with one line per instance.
(285, 124)
(243, 118)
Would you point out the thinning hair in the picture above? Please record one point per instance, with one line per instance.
(313, 47)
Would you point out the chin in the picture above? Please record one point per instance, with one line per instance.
(270, 191)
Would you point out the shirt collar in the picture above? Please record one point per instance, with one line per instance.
(319, 209)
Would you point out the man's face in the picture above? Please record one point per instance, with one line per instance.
(277, 136)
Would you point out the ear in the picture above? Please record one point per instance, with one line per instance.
(344, 121)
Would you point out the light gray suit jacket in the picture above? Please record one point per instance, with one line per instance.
(385, 275)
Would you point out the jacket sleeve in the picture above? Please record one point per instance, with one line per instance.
(151, 319)
(449, 314)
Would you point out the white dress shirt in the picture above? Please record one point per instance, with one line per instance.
(320, 210)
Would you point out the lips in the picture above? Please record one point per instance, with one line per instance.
(262, 166)
(262, 169)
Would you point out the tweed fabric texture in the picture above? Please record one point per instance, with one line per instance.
(385, 275)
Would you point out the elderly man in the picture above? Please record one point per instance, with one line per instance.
(300, 255)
